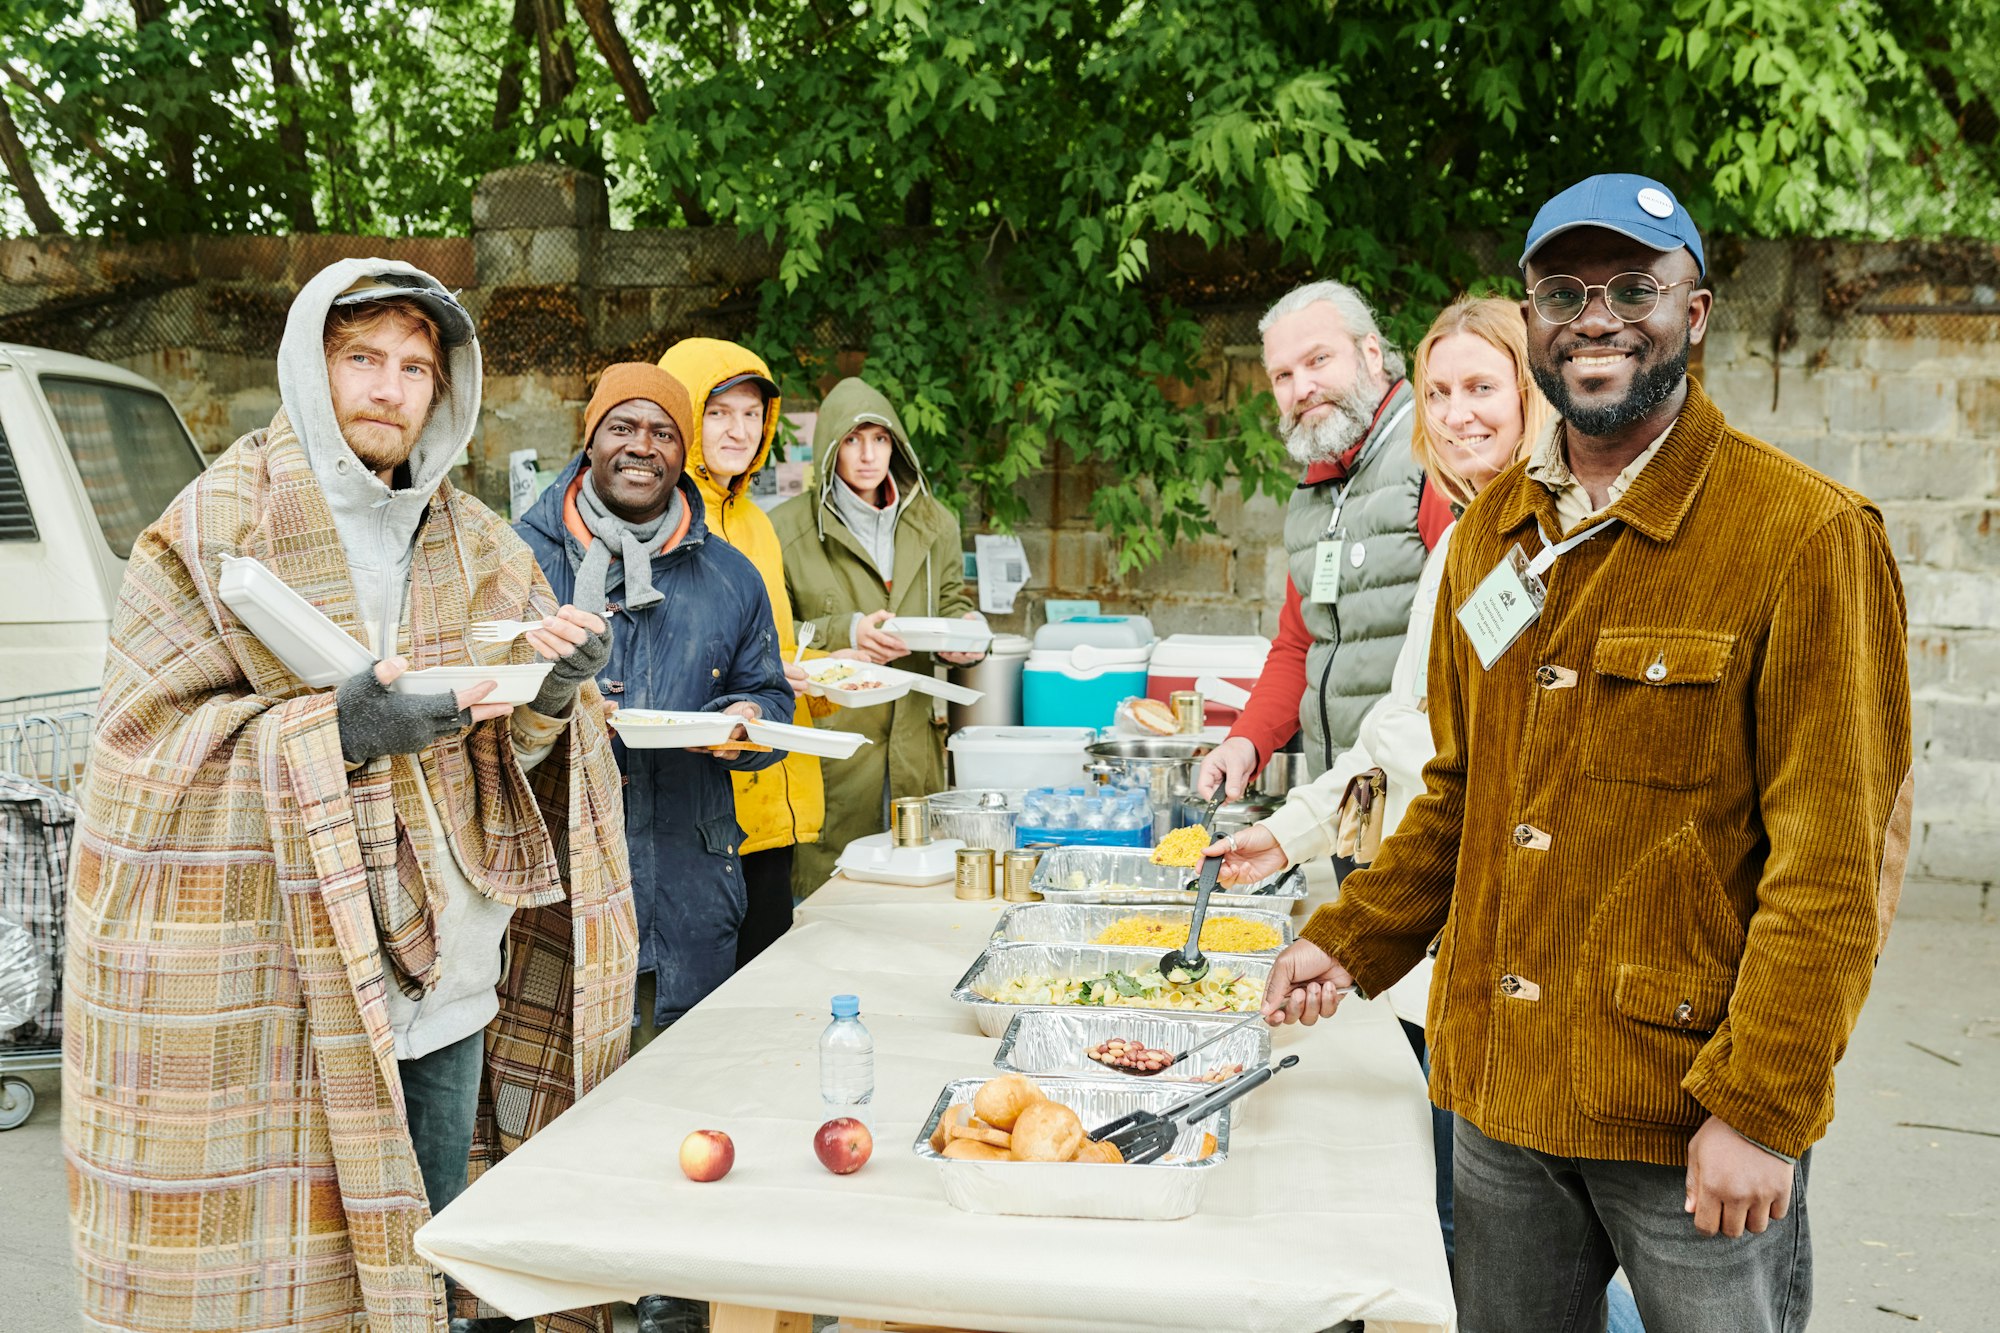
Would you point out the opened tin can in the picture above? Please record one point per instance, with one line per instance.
(975, 873)
(1017, 876)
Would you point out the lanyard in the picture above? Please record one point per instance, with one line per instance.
(1551, 550)
(1340, 499)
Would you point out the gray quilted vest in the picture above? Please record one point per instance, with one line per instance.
(1356, 637)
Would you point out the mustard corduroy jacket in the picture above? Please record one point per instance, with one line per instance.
(1662, 835)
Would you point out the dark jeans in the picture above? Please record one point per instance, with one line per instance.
(767, 882)
(1539, 1236)
(441, 1094)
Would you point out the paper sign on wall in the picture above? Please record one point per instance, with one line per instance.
(1003, 572)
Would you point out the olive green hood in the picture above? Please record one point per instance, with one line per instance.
(855, 402)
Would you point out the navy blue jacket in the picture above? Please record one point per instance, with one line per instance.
(709, 644)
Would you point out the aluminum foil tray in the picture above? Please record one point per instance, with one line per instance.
(1003, 962)
(1128, 875)
(1053, 1041)
(1080, 923)
(1155, 1192)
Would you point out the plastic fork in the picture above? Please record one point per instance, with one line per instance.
(499, 631)
(806, 632)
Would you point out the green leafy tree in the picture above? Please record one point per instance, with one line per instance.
(1013, 209)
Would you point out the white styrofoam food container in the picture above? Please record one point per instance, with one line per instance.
(824, 742)
(940, 634)
(892, 684)
(672, 729)
(877, 859)
(515, 683)
(299, 634)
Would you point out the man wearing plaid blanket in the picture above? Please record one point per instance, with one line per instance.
(327, 948)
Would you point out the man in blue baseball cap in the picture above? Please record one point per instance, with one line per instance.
(1664, 832)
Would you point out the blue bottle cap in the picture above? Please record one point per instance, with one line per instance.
(846, 1006)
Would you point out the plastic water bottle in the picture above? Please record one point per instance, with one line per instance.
(846, 1063)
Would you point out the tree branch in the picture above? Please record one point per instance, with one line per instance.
(291, 133)
(21, 170)
(603, 24)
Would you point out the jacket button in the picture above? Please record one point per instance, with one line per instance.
(614, 687)
(1657, 671)
(1554, 677)
(715, 673)
(1527, 835)
(1684, 1015)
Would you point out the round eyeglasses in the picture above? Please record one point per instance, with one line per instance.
(1559, 298)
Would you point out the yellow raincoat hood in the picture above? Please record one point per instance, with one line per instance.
(786, 803)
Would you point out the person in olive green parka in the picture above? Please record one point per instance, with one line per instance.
(868, 542)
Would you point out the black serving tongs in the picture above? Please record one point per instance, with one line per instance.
(1147, 1136)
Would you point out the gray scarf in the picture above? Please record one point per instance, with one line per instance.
(636, 543)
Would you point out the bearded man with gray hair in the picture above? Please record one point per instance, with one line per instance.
(1357, 530)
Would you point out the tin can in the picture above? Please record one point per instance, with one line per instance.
(1017, 876)
(910, 820)
(975, 873)
(1189, 716)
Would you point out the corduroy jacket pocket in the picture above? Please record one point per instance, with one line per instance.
(1662, 1020)
(1656, 706)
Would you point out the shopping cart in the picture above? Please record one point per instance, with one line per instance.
(44, 746)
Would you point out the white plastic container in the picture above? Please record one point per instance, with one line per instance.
(940, 634)
(1019, 757)
(299, 634)
(1181, 660)
(513, 684)
(877, 859)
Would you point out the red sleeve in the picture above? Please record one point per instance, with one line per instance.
(1272, 716)
(1433, 515)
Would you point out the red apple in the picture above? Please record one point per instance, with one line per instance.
(707, 1154)
(843, 1145)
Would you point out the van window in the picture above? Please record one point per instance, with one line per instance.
(130, 449)
(17, 520)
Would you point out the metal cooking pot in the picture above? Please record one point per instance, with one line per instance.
(1164, 765)
(1283, 772)
(1231, 816)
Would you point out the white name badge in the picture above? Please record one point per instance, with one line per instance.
(1510, 599)
(1326, 567)
(1501, 608)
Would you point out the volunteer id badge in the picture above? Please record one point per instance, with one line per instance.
(1326, 566)
(1502, 607)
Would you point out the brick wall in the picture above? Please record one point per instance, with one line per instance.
(1905, 408)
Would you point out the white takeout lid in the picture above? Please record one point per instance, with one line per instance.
(299, 634)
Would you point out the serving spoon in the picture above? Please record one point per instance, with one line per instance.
(1187, 965)
(1210, 1040)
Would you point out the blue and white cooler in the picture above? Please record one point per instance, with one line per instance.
(1081, 668)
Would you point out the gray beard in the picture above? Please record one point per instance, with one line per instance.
(1330, 436)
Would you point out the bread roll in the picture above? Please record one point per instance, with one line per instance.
(1047, 1132)
(1094, 1150)
(957, 1115)
(1000, 1101)
(972, 1150)
(982, 1132)
(1155, 717)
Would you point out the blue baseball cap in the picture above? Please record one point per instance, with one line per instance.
(1634, 206)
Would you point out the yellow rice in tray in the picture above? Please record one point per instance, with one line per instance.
(1183, 847)
(1219, 934)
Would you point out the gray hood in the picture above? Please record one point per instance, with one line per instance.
(377, 525)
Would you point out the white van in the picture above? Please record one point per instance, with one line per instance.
(90, 455)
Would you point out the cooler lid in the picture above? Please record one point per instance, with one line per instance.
(1037, 738)
(1089, 657)
(1096, 631)
(1210, 654)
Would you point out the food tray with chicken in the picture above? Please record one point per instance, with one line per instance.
(1007, 977)
(1046, 1042)
(1127, 875)
(1240, 930)
(1153, 1191)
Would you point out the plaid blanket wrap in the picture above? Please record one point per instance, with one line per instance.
(233, 1122)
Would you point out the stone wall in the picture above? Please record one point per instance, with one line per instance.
(1811, 348)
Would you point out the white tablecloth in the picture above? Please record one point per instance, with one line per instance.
(1324, 1211)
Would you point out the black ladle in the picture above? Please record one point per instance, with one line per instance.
(1187, 965)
